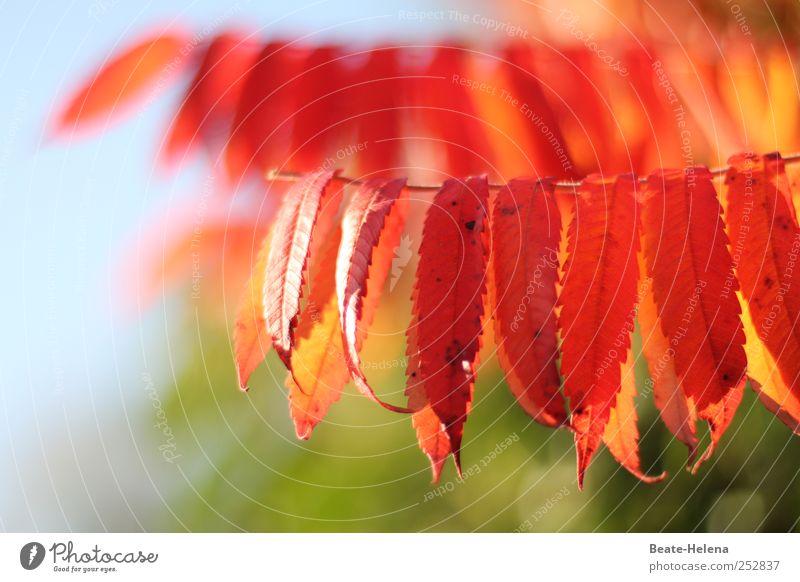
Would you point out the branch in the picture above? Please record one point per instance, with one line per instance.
(561, 185)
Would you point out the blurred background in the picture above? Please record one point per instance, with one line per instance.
(120, 406)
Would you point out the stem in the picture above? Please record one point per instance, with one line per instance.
(562, 185)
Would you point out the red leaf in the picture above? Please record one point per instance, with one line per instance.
(686, 253)
(319, 96)
(288, 256)
(251, 341)
(449, 113)
(261, 130)
(376, 99)
(212, 95)
(583, 116)
(444, 337)
(676, 412)
(526, 232)
(433, 438)
(533, 113)
(765, 239)
(621, 435)
(598, 305)
(644, 103)
(150, 62)
(363, 225)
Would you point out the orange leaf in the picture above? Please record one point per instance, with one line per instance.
(526, 230)
(598, 305)
(621, 435)
(677, 413)
(251, 341)
(319, 371)
(363, 225)
(444, 336)
(318, 368)
(149, 62)
(200, 245)
(685, 250)
(765, 239)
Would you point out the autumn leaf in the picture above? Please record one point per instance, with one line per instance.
(598, 305)
(449, 112)
(621, 434)
(526, 230)
(678, 414)
(363, 226)
(251, 341)
(202, 248)
(765, 239)
(210, 100)
(261, 132)
(288, 257)
(152, 62)
(320, 95)
(294, 107)
(318, 368)
(549, 153)
(376, 99)
(685, 250)
(444, 336)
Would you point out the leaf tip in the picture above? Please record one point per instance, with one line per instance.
(303, 430)
(457, 460)
(242, 376)
(437, 465)
(585, 447)
(650, 479)
(581, 474)
(692, 454)
(694, 468)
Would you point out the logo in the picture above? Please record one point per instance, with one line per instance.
(31, 555)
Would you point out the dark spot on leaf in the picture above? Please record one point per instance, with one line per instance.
(470, 225)
(453, 353)
(768, 282)
(507, 211)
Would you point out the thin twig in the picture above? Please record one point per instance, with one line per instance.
(564, 185)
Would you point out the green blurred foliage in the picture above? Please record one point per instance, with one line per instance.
(242, 468)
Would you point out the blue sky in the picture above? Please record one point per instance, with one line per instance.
(69, 208)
